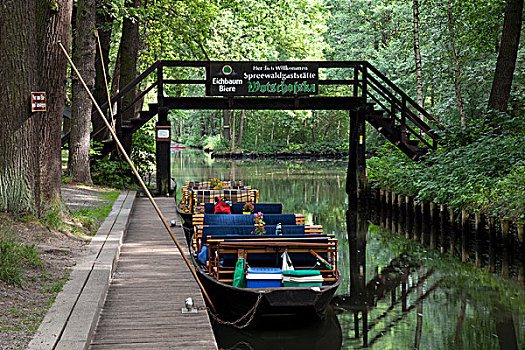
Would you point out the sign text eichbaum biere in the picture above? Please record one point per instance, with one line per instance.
(262, 79)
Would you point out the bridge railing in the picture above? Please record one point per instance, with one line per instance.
(400, 107)
(366, 82)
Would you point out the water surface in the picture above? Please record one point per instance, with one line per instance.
(395, 293)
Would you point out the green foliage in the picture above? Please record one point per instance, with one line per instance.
(111, 173)
(14, 258)
(143, 150)
(115, 173)
(53, 219)
(477, 169)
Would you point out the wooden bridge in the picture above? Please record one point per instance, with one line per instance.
(356, 86)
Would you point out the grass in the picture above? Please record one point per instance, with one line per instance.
(82, 222)
(15, 258)
(89, 217)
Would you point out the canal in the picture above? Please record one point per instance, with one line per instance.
(396, 293)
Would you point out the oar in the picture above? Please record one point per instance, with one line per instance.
(119, 145)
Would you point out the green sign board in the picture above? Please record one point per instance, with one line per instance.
(262, 79)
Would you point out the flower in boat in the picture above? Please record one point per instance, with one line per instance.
(216, 184)
(259, 224)
(248, 208)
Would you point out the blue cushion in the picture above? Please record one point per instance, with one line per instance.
(265, 208)
(220, 230)
(274, 219)
(242, 219)
(202, 257)
(232, 219)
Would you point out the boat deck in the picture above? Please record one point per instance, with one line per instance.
(143, 305)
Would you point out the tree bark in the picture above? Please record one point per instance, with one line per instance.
(257, 131)
(226, 125)
(241, 125)
(84, 50)
(53, 67)
(129, 46)
(417, 55)
(212, 122)
(54, 28)
(30, 155)
(19, 129)
(273, 129)
(457, 73)
(506, 63)
(104, 24)
(115, 81)
(232, 133)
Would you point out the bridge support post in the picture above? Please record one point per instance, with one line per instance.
(356, 177)
(163, 156)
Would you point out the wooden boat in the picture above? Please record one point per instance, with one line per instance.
(195, 195)
(177, 146)
(233, 303)
(225, 249)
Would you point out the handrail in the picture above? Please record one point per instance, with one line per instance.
(131, 85)
(400, 92)
(365, 77)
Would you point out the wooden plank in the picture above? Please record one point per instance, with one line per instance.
(143, 305)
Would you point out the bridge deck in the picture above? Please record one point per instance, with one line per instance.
(143, 305)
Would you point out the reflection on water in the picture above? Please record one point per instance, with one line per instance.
(324, 334)
(396, 293)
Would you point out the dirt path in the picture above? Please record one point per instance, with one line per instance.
(22, 308)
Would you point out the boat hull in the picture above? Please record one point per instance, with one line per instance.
(232, 302)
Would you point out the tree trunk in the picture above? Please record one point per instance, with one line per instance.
(212, 123)
(232, 133)
(104, 23)
(129, 46)
(257, 132)
(30, 155)
(84, 51)
(457, 74)
(19, 129)
(510, 39)
(241, 125)
(261, 122)
(226, 125)
(55, 28)
(115, 82)
(417, 55)
(314, 139)
(273, 129)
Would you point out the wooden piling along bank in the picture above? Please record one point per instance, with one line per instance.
(459, 233)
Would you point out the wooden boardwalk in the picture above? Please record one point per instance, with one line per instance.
(143, 305)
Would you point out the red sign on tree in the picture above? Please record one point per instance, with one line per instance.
(38, 102)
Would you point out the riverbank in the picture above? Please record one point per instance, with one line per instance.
(37, 256)
(278, 155)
